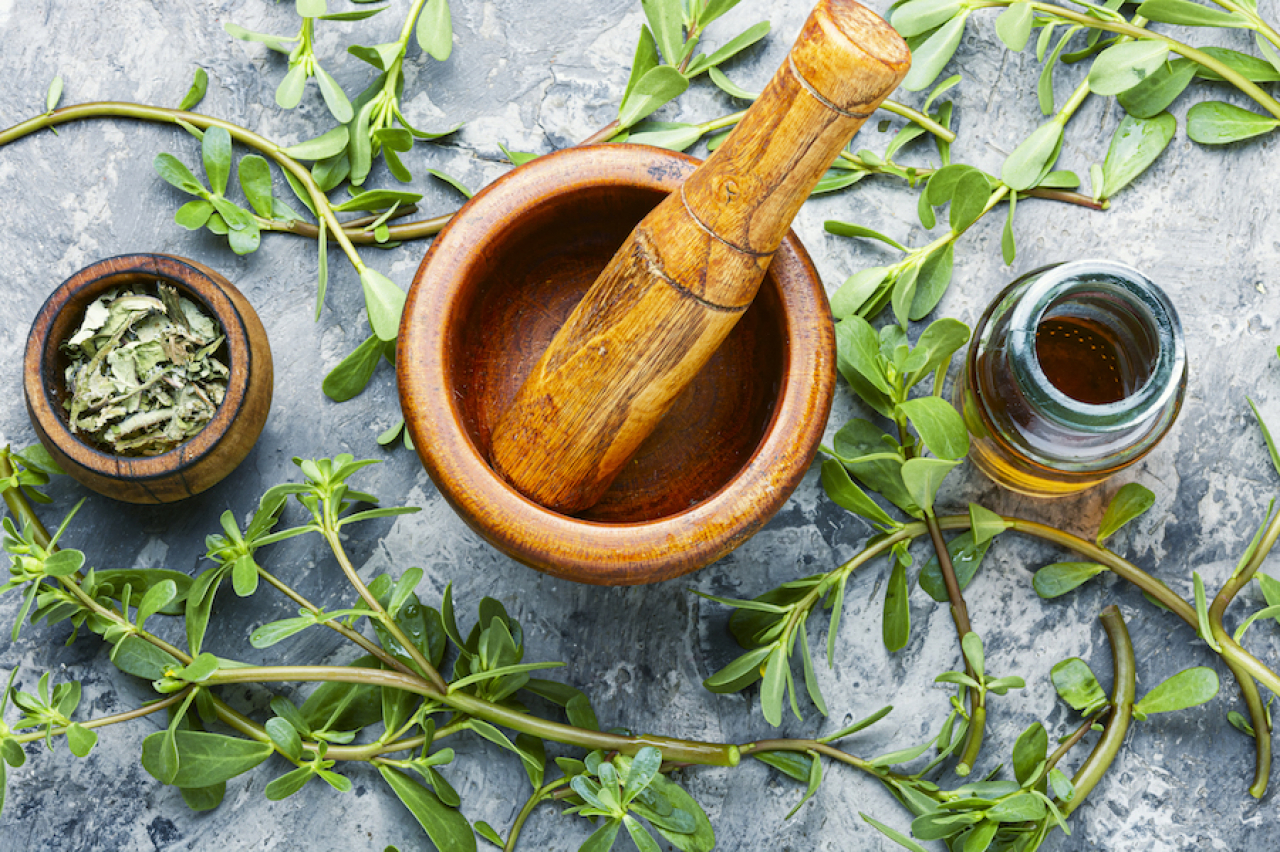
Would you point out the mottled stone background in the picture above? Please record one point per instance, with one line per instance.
(537, 76)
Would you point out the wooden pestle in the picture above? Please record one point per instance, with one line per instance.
(691, 267)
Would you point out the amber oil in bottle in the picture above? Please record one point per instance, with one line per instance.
(1076, 371)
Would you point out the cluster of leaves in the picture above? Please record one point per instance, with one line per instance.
(617, 791)
(883, 368)
(390, 700)
(666, 60)
(367, 125)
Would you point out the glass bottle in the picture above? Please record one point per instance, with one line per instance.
(1075, 371)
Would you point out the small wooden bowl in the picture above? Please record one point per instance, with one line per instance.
(489, 296)
(215, 450)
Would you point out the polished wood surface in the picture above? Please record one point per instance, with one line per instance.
(491, 294)
(687, 273)
(197, 464)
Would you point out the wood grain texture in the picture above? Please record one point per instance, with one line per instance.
(687, 272)
(193, 466)
(493, 291)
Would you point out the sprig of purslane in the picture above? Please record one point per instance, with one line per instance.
(487, 674)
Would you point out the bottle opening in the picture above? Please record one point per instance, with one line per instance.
(1095, 350)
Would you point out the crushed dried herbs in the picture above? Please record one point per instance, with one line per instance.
(144, 373)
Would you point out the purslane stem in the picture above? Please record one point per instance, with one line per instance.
(164, 115)
(1122, 696)
(330, 532)
(113, 719)
(675, 750)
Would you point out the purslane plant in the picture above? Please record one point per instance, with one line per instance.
(395, 710)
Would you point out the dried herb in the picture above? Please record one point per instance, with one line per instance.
(144, 375)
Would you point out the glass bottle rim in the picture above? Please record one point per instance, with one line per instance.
(1138, 295)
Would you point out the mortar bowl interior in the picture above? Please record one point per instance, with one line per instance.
(492, 292)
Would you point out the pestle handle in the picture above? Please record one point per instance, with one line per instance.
(691, 267)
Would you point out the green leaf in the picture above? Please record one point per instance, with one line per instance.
(859, 347)
(893, 834)
(1077, 685)
(1266, 436)
(353, 373)
(1188, 688)
(665, 20)
(81, 740)
(739, 674)
(814, 780)
(1154, 94)
(175, 173)
(53, 94)
(1029, 753)
(279, 789)
(932, 282)
(918, 17)
(64, 563)
(215, 150)
(857, 290)
(384, 302)
(200, 669)
(848, 229)
(140, 658)
(204, 759)
(939, 425)
(904, 755)
(434, 31)
(1013, 26)
(940, 825)
(193, 214)
(1008, 243)
(1267, 49)
(285, 737)
(651, 91)
(602, 839)
(447, 828)
(294, 83)
(1202, 614)
(922, 478)
(1189, 14)
(1130, 502)
(1246, 65)
(195, 94)
(966, 559)
(968, 199)
(844, 493)
(1057, 579)
(931, 56)
(1135, 146)
(935, 347)
(701, 839)
(1061, 784)
(1217, 123)
(1123, 66)
(985, 524)
(729, 49)
(155, 600)
(255, 181)
(774, 684)
(1033, 158)
(1024, 807)
(328, 144)
(896, 627)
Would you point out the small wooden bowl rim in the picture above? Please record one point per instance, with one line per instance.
(41, 359)
(575, 549)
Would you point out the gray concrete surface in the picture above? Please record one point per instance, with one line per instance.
(536, 77)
